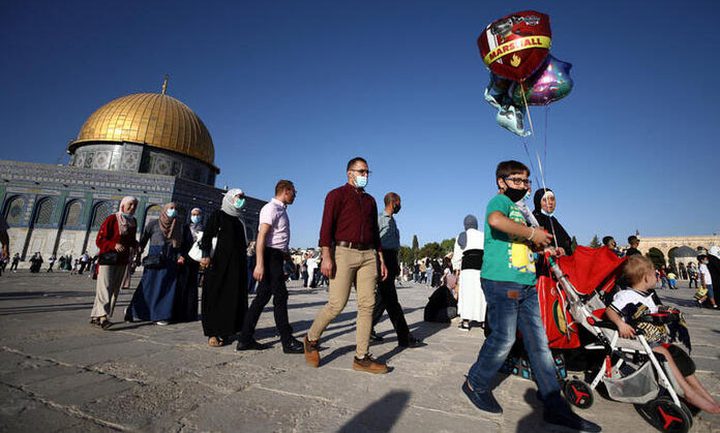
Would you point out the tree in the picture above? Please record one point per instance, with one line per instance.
(595, 242)
(573, 244)
(432, 250)
(406, 255)
(415, 247)
(447, 246)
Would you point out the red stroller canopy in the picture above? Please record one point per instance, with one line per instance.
(588, 268)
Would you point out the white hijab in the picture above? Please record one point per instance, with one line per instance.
(228, 203)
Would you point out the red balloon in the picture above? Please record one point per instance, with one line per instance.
(515, 46)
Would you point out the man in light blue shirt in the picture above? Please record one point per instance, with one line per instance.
(386, 294)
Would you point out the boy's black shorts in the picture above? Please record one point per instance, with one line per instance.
(683, 361)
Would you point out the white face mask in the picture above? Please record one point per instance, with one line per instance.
(195, 219)
(361, 181)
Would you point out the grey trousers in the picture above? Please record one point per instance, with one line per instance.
(109, 280)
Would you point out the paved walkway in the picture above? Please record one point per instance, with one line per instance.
(58, 374)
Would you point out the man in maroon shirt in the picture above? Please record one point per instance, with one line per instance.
(350, 243)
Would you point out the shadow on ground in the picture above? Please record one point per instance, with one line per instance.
(380, 416)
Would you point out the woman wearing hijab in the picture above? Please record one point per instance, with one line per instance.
(116, 241)
(224, 296)
(545, 204)
(153, 299)
(467, 256)
(186, 296)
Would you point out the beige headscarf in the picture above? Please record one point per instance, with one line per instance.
(169, 226)
(126, 223)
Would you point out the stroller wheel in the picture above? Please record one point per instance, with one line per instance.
(578, 393)
(689, 412)
(665, 416)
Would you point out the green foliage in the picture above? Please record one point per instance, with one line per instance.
(573, 244)
(447, 245)
(432, 250)
(595, 242)
(406, 255)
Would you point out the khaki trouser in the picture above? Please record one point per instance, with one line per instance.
(352, 266)
(109, 280)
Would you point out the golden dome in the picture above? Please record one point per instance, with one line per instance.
(154, 119)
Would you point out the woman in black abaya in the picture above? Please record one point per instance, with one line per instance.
(224, 295)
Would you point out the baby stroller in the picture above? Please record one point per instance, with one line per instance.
(630, 371)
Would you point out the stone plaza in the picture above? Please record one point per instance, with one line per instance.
(59, 374)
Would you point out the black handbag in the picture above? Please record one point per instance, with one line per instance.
(108, 258)
(153, 262)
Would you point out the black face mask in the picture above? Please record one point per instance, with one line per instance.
(515, 194)
(396, 208)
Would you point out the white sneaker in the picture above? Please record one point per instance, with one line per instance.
(162, 323)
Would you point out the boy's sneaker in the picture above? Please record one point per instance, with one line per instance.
(484, 401)
(464, 326)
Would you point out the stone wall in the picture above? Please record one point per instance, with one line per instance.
(58, 209)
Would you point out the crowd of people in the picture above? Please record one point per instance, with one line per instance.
(65, 263)
(488, 280)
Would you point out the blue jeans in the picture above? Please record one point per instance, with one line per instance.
(710, 293)
(513, 305)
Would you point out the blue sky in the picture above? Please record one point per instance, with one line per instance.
(294, 89)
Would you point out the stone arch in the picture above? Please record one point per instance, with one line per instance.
(682, 256)
(101, 210)
(69, 233)
(14, 210)
(41, 228)
(657, 257)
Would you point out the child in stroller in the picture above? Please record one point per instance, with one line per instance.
(638, 271)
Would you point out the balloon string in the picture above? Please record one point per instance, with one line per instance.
(537, 155)
(527, 109)
(547, 109)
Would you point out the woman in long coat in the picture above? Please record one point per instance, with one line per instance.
(186, 296)
(224, 295)
(117, 234)
(153, 299)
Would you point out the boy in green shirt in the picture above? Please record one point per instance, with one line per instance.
(508, 281)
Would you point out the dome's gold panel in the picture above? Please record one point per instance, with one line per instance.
(154, 119)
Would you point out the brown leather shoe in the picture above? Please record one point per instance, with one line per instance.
(369, 364)
(312, 356)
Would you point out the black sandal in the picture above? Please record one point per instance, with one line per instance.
(104, 324)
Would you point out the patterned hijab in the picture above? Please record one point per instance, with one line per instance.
(129, 223)
(170, 227)
(228, 203)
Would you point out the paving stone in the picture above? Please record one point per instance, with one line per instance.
(59, 374)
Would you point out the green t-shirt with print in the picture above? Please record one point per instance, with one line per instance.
(506, 258)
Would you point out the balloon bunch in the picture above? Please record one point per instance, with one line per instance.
(516, 49)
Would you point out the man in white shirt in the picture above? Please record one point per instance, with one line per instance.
(271, 251)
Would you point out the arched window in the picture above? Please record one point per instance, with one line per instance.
(73, 214)
(14, 210)
(102, 211)
(152, 213)
(44, 212)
